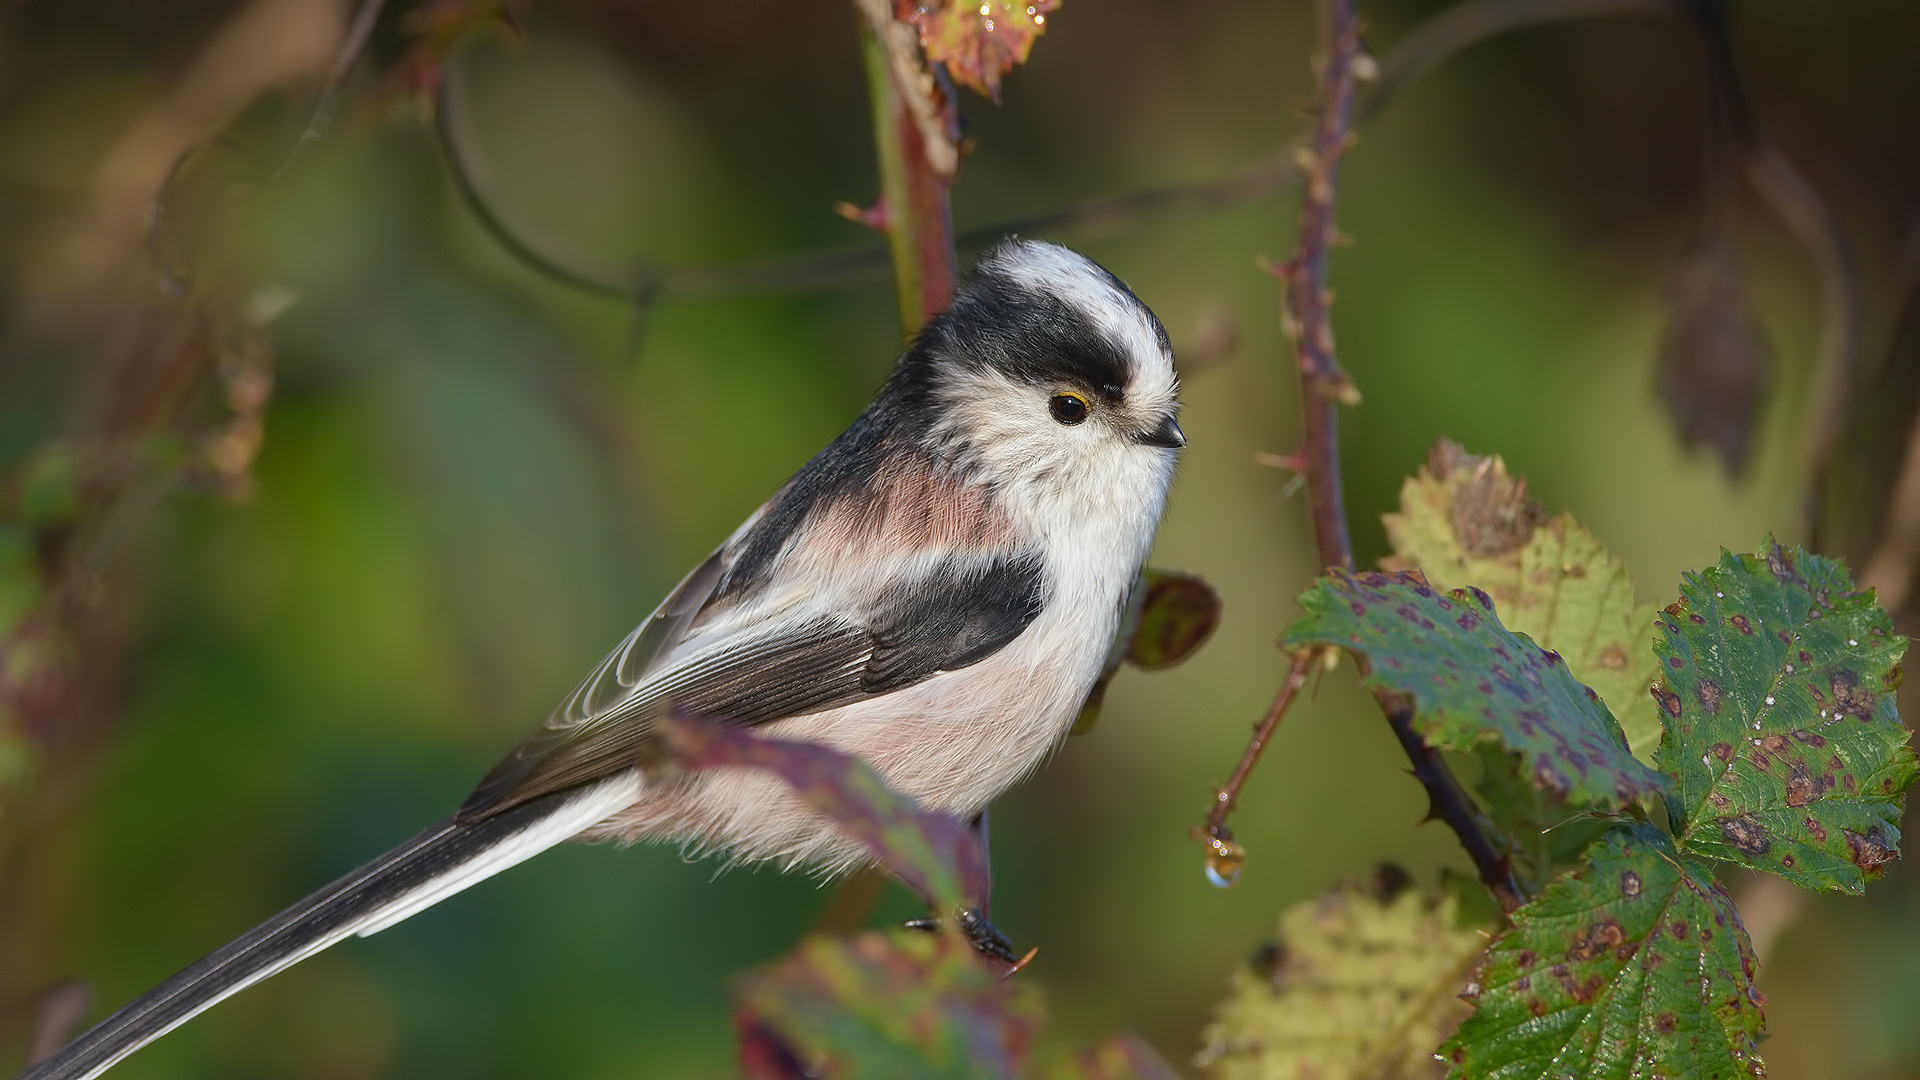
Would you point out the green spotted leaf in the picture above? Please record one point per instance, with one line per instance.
(1360, 987)
(936, 854)
(884, 1005)
(1472, 680)
(1634, 966)
(1464, 521)
(1777, 689)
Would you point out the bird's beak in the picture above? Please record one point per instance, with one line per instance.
(1168, 434)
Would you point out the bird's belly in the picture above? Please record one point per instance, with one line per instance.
(954, 742)
(960, 739)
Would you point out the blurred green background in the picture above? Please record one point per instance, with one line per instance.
(474, 480)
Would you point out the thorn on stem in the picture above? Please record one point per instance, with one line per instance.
(873, 217)
(1337, 386)
(1294, 462)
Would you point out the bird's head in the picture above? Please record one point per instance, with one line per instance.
(1046, 365)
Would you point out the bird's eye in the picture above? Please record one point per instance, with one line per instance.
(1068, 408)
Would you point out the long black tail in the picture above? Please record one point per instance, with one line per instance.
(419, 873)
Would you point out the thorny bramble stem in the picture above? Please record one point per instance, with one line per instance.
(1223, 860)
(1323, 387)
(914, 121)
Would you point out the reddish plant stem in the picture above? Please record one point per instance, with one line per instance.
(1306, 273)
(1323, 387)
(926, 235)
(913, 211)
(1215, 831)
(913, 125)
(1320, 457)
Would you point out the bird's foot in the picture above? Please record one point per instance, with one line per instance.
(986, 938)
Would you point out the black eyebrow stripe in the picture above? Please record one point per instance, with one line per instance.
(1029, 334)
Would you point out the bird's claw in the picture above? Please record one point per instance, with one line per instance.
(986, 938)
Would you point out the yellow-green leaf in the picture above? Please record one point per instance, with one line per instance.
(1359, 988)
(1464, 521)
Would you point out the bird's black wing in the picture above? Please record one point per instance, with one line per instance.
(958, 613)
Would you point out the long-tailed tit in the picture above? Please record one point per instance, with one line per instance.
(934, 592)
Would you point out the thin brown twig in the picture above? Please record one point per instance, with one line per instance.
(1460, 27)
(1322, 385)
(470, 178)
(1223, 862)
(1449, 803)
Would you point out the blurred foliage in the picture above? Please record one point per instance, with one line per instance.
(905, 1004)
(1362, 984)
(1714, 361)
(879, 1005)
(469, 478)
